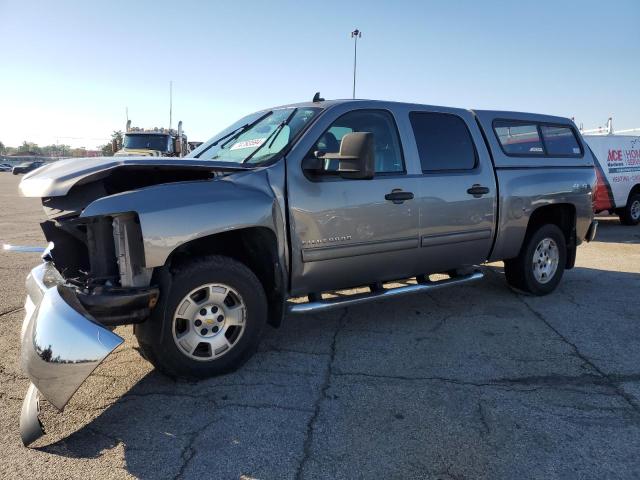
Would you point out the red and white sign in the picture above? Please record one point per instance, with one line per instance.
(618, 168)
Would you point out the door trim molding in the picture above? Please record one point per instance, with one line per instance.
(454, 237)
(356, 249)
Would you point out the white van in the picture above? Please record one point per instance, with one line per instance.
(618, 171)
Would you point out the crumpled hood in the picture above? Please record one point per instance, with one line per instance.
(56, 179)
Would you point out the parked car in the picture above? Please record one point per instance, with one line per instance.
(26, 167)
(200, 253)
(618, 170)
(5, 167)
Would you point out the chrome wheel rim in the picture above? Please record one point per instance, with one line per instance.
(635, 210)
(209, 322)
(545, 260)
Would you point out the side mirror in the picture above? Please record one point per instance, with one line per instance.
(356, 159)
(177, 146)
(114, 145)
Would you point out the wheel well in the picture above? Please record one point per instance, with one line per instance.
(564, 216)
(255, 247)
(635, 189)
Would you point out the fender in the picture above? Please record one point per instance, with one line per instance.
(173, 214)
(519, 201)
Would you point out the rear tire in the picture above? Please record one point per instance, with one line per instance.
(541, 263)
(630, 214)
(210, 322)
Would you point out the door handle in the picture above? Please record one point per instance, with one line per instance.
(477, 190)
(397, 196)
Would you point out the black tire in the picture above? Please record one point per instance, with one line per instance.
(162, 350)
(630, 214)
(519, 271)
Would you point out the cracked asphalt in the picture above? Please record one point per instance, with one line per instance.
(474, 382)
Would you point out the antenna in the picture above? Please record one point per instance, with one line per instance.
(170, 102)
(356, 34)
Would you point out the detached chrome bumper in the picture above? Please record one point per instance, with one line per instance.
(61, 345)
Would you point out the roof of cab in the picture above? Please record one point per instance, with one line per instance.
(503, 114)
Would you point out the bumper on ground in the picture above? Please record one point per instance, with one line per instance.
(61, 345)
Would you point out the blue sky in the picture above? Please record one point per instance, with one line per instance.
(69, 68)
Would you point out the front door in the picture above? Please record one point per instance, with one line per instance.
(347, 232)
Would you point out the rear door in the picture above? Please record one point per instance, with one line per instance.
(347, 232)
(457, 189)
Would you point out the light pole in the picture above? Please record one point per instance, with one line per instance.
(356, 34)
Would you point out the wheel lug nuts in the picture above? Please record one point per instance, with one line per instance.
(197, 323)
(204, 331)
(214, 309)
(215, 329)
(203, 311)
(220, 318)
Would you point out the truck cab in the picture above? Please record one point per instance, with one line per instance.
(152, 142)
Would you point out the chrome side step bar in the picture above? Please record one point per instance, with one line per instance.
(356, 299)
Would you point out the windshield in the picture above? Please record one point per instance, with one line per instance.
(256, 138)
(147, 142)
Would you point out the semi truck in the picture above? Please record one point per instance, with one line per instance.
(281, 209)
(153, 142)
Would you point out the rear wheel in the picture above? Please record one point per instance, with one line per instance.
(541, 263)
(630, 214)
(211, 322)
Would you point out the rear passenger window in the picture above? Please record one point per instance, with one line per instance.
(518, 138)
(560, 141)
(444, 141)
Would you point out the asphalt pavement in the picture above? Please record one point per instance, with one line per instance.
(472, 382)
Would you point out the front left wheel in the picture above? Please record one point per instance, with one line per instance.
(210, 321)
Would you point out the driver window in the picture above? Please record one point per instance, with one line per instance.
(388, 155)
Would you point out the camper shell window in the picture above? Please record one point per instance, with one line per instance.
(534, 139)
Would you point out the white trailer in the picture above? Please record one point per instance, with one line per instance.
(618, 171)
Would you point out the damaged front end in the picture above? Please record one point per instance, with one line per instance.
(100, 272)
(74, 299)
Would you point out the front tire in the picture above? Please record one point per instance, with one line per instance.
(541, 263)
(630, 214)
(210, 322)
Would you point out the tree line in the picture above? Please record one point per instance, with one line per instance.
(59, 150)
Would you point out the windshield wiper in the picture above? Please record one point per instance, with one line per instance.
(229, 134)
(241, 130)
(235, 133)
(272, 136)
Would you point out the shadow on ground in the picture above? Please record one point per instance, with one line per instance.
(471, 382)
(610, 230)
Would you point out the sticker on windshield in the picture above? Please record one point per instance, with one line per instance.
(256, 142)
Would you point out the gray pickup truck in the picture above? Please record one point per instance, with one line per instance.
(278, 211)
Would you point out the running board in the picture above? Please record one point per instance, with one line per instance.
(356, 299)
